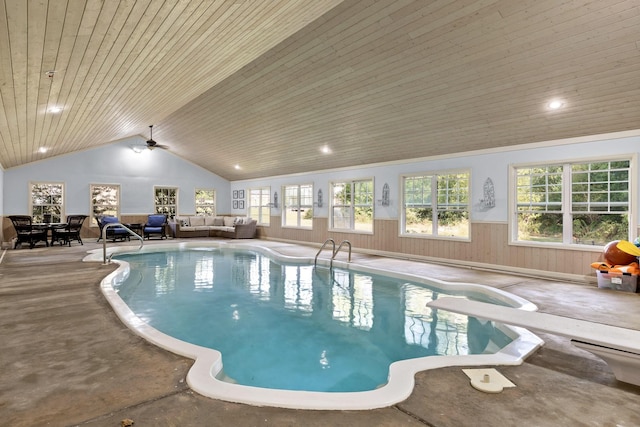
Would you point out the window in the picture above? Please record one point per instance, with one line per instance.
(166, 201)
(298, 206)
(352, 205)
(47, 199)
(573, 203)
(259, 206)
(105, 200)
(436, 205)
(205, 202)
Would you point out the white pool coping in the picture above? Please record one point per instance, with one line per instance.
(208, 362)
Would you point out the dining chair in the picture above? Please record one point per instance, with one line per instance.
(70, 231)
(27, 232)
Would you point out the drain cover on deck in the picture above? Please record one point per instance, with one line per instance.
(488, 380)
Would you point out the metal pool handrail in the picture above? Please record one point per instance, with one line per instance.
(340, 246)
(104, 239)
(333, 250)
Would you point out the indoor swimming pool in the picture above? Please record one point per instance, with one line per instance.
(283, 332)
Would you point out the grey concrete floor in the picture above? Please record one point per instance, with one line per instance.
(66, 359)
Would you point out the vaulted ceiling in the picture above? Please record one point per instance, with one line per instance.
(265, 85)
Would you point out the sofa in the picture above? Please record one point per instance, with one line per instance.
(231, 227)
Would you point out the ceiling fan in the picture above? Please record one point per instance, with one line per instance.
(151, 144)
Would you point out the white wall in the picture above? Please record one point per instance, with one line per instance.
(137, 174)
(1, 201)
(1, 192)
(492, 164)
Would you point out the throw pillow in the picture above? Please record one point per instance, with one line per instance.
(184, 223)
(218, 221)
(196, 221)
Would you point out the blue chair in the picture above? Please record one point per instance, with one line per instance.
(113, 233)
(156, 225)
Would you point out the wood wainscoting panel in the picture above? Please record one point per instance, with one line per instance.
(489, 245)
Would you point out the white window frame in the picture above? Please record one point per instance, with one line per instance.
(37, 216)
(165, 208)
(204, 205)
(432, 202)
(299, 207)
(351, 206)
(566, 204)
(92, 205)
(264, 209)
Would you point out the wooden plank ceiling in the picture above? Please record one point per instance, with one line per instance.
(266, 84)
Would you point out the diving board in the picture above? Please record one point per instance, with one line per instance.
(619, 347)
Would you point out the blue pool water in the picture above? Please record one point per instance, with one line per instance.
(292, 326)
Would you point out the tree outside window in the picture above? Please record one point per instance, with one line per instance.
(166, 201)
(205, 201)
(259, 205)
(436, 205)
(298, 206)
(105, 201)
(539, 203)
(352, 205)
(47, 199)
(585, 203)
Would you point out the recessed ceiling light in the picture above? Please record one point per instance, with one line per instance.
(555, 104)
(42, 150)
(55, 109)
(237, 166)
(326, 149)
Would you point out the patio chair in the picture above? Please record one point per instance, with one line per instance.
(113, 233)
(68, 232)
(155, 225)
(27, 232)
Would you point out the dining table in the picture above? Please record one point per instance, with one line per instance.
(49, 226)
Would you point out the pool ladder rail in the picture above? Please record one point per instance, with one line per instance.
(334, 251)
(107, 260)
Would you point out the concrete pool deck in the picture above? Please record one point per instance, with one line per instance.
(66, 359)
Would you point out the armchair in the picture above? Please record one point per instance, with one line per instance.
(113, 233)
(156, 224)
(27, 232)
(69, 232)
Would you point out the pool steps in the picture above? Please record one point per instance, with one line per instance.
(619, 347)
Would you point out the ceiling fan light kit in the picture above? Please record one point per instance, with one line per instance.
(138, 148)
